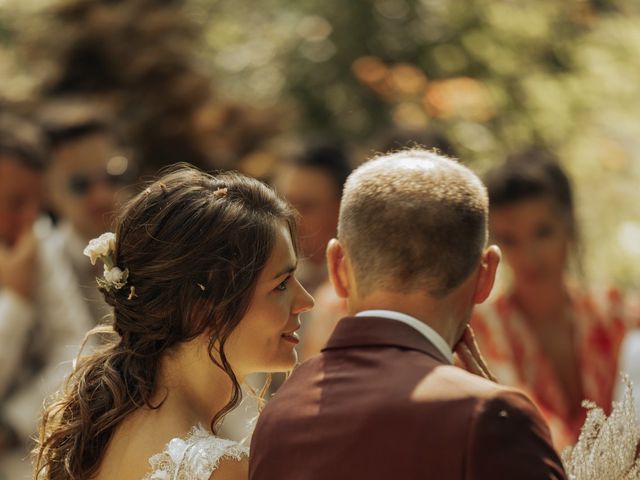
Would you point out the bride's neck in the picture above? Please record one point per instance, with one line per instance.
(191, 395)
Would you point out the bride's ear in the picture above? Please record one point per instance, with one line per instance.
(338, 266)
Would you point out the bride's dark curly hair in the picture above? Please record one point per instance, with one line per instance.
(194, 245)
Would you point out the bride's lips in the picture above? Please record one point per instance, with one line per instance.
(291, 336)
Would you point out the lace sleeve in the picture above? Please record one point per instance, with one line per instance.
(608, 446)
(194, 458)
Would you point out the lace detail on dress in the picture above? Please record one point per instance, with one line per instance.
(194, 457)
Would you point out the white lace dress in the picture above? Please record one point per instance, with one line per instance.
(194, 457)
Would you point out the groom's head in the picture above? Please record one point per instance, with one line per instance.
(411, 222)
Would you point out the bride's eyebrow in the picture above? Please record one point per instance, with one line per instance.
(287, 270)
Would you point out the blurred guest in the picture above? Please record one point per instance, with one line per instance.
(42, 317)
(86, 180)
(549, 335)
(312, 182)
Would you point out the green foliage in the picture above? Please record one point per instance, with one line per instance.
(217, 78)
(494, 76)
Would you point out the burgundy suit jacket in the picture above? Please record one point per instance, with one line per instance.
(381, 402)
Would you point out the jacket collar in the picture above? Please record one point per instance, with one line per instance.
(380, 332)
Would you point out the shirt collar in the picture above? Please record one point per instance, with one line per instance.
(428, 332)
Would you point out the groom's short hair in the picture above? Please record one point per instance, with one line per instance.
(413, 219)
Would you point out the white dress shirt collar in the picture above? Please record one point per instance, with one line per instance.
(428, 332)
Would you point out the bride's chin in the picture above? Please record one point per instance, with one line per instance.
(285, 364)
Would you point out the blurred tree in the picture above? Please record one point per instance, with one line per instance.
(491, 75)
(137, 56)
(494, 74)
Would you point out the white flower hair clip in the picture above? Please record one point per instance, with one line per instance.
(103, 248)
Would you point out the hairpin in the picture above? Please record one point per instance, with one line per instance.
(132, 293)
(220, 192)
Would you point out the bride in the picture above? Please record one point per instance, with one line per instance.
(200, 273)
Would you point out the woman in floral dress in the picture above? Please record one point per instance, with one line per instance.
(547, 333)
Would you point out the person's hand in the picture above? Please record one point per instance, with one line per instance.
(18, 265)
(470, 357)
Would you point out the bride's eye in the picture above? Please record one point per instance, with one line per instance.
(283, 286)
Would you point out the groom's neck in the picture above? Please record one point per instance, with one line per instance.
(436, 313)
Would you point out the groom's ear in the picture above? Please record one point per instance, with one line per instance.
(487, 273)
(337, 264)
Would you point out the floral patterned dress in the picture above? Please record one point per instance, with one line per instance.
(516, 357)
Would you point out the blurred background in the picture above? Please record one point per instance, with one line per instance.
(225, 84)
(295, 93)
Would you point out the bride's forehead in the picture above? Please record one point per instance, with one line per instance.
(283, 253)
(283, 244)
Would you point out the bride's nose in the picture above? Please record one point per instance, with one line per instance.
(303, 301)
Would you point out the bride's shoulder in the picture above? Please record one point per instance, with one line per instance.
(197, 456)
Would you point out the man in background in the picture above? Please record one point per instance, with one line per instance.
(42, 316)
(87, 179)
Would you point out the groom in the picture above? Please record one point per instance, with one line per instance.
(383, 400)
